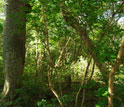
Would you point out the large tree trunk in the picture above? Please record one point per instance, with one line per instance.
(13, 46)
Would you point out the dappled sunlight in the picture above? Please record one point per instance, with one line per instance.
(78, 69)
(62, 53)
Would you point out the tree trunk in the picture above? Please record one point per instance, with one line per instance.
(13, 46)
(112, 74)
(110, 89)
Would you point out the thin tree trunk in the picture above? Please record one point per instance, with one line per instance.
(50, 60)
(58, 65)
(110, 89)
(112, 74)
(82, 83)
(92, 72)
(83, 98)
(84, 91)
(13, 46)
(36, 57)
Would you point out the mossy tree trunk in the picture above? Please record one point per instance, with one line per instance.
(13, 46)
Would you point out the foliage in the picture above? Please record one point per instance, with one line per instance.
(102, 95)
(100, 17)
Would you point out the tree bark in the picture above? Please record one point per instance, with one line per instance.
(13, 46)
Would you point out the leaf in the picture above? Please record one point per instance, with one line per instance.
(113, 56)
(105, 94)
(97, 105)
(39, 104)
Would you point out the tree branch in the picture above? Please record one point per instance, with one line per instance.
(91, 49)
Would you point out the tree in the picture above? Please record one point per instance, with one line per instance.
(112, 74)
(67, 41)
(13, 46)
(76, 19)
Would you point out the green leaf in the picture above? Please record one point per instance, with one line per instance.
(105, 94)
(97, 105)
(39, 104)
(113, 56)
